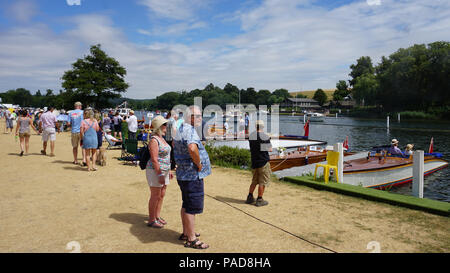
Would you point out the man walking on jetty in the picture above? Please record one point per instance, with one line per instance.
(76, 116)
(259, 149)
(49, 125)
(192, 166)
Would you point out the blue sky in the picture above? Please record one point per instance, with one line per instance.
(173, 45)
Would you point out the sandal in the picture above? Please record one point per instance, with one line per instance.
(185, 238)
(195, 244)
(161, 220)
(155, 224)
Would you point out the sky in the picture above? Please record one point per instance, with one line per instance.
(175, 45)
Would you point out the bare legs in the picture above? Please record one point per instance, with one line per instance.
(89, 162)
(155, 203)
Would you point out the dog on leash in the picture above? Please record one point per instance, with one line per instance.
(102, 156)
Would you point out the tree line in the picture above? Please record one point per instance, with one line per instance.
(411, 79)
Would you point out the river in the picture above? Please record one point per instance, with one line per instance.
(366, 133)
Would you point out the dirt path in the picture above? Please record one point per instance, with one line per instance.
(47, 202)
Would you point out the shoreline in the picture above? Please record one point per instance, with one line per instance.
(48, 202)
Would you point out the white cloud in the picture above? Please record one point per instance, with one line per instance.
(291, 45)
(23, 10)
(174, 9)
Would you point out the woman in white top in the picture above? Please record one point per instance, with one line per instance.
(23, 131)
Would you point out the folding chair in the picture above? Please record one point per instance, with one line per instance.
(130, 151)
(112, 145)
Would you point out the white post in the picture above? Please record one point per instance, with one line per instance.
(336, 115)
(339, 148)
(417, 187)
(387, 122)
(304, 118)
(398, 117)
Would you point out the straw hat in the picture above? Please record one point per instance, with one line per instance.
(157, 122)
(108, 130)
(394, 141)
(132, 112)
(409, 147)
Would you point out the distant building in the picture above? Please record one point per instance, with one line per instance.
(301, 104)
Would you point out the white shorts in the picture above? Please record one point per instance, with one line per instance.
(152, 178)
(49, 134)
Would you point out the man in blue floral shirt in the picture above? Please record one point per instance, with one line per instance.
(193, 165)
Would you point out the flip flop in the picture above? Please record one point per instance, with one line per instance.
(155, 224)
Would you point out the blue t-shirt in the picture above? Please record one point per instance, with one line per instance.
(76, 116)
(186, 169)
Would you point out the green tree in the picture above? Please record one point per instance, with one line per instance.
(366, 89)
(363, 66)
(341, 91)
(95, 79)
(320, 96)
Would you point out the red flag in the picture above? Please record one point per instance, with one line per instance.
(430, 150)
(306, 129)
(345, 144)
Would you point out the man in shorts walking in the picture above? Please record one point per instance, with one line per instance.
(76, 117)
(259, 149)
(49, 124)
(192, 166)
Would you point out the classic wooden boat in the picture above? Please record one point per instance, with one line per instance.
(380, 171)
(300, 157)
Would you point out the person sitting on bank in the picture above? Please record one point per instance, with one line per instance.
(112, 140)
(395, 150)
(409, 150)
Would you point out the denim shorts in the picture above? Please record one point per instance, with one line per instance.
(192, 193)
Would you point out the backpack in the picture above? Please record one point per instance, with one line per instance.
(144, 157)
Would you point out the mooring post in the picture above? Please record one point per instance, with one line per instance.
(418, 167)
(338, 147)
(398, 117)
(387, 122)
(304, 118)
(336, 115)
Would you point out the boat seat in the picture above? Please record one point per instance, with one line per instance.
(332, 160)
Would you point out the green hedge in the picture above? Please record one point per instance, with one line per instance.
(229, 157)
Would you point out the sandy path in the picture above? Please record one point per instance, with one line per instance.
(47, 202)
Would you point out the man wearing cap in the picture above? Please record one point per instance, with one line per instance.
(192, 166)
(112, 140)
(260, 147)
(132, 125)
(75, 119)
(394, 150)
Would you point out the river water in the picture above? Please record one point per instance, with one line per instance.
(366, 133)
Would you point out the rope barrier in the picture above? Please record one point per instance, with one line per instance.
(267, 223)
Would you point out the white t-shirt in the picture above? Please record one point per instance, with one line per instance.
(110, 139)
(132, 123)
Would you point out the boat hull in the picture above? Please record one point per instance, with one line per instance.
(391, 176)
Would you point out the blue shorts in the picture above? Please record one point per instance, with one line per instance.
(192, 193)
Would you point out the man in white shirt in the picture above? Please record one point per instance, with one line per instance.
(132, 125)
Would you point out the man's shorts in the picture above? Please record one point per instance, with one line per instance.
(9, 123)
(76, 137)
(261, 176)
(192, 193)
(117, 128)
(49, 134)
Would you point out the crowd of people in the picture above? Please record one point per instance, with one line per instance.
(174, 146)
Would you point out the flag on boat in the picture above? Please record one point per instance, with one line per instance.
(430, 149)
(345, 144)
(306, 129)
